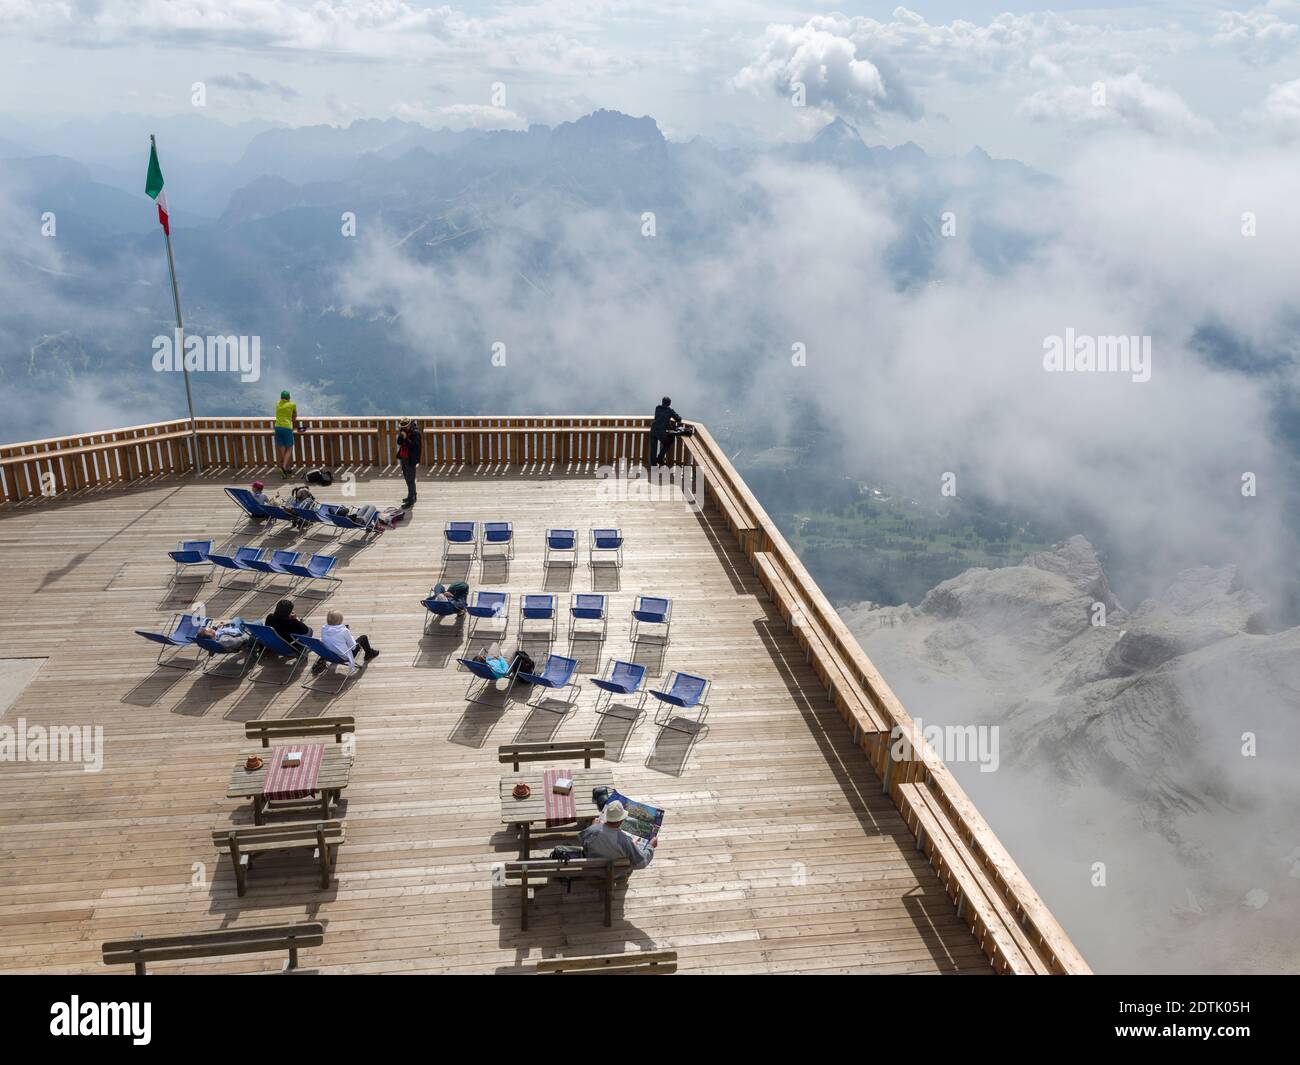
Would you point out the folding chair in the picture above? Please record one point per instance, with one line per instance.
(184, 630)
(489, 605)
(238, 563)
(649, 610)
(191, 553)
(538, 608)
(218, 656)
(460, 534)
(625, 678)
(685, 690)
(438, 608)
(561, 542)
(270, 641)
(608, 544)
(588, 606)
(275, 566)
(246, 502)
(316, 568)
(556, 675)
(485, 679)
(317, 647)
(499, 535)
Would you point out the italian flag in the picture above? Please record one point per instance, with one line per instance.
(153, 185)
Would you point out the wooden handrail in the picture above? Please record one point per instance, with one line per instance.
(61, 465)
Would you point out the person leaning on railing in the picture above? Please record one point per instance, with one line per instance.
(661, 429)
(286, 425)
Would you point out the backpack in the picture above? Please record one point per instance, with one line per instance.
(321, 477)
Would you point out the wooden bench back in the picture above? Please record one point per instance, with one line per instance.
(515, 753)
(212, 944)
(297, 834)
(647, 962)
(290, 728)
(545, 867)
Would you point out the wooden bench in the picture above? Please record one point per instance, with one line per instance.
(245, 843)
(738, 518)
(289, 727)
(259, 940)
(790, 605)
(978, 903)
(535, 872)
(515, 753)
(645, 962)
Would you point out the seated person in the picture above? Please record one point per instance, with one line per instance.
(339, 639)
(258, 489)
(229, 634)
(605, 838)
(457, 593)
(502, 666)
(302, 497)
(286, 623)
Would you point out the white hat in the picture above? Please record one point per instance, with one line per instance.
(614, 812)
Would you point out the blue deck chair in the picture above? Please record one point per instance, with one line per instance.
(191, 553)
(588, 606)
(439, 608)
(309, 516)
(485, 679)
(561, 542)
(606, 547)
(318, 647)
(489, 605)
(685, 690)
(238, 563)
(243, 498)
(328, 514)
(460, 534)
(625, 678)
(556, 675)
(270, 641)
(538, 608)
(316, 568)
(650, 610)
(218, 656)
(184, 629)
(275, 565)
(500, 536)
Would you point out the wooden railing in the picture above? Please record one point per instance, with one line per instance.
(1009, 920)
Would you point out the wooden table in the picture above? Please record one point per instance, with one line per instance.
(524, 813)
(335, 769)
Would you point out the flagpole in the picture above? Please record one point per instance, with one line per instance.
(180, 339)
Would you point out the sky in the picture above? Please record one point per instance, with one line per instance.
(1016, 79)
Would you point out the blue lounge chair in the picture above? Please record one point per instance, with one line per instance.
(625, 678)
(561, 542)
(439, 608)
(191, 553)
(500, 536)
(244, 499)
(538, 608)
(316, 568)
(184, 629)
(328, 514)
(484, 678)
(275, 565)
(489, 605)
(556, 675)
(218, 656)
(319, 648)
(685, 690)
(460, 534)
(238, 563)
(606, 547)
(271, 642)
(588, 606)
(649, 610)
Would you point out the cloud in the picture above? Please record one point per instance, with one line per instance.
(1279, 112)
(1128, 101)
(1260, 36)
(460, 116)
(245, 82)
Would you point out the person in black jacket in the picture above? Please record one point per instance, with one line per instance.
(408, 454)
(660, 438)
(286, 623)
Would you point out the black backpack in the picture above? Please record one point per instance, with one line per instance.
(322, 477)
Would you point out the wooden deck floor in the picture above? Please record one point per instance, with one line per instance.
(779, 854)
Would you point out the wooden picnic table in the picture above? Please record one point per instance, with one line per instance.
(335, 769)
(524, 813)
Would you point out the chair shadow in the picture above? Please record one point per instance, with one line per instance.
(315, 703)
(436, 649)
(672, 748)
(540, 726)
(537, 645)
(475, 725)
(616, 729)
(147, 691)
(455, 569)
(494, 570)
(651, 656)
(253, 703)
(201, 696)
(606, 578)
(559, 577)
(586, 648)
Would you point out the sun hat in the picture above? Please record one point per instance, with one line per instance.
(258, 486)
(614, 813)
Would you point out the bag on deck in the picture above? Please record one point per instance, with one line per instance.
(322, 477)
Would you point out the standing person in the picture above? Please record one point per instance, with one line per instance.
(286, 425)
(660, 439)
(408, 454)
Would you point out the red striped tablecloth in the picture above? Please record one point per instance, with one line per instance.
(560, 809)
(293, 782)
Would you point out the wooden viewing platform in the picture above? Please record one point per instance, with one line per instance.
(794, 842)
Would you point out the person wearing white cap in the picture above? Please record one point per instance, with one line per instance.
(605, 838)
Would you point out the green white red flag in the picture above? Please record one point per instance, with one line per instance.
(153, 185)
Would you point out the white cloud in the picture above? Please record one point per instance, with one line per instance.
(461, 116)
(1280, 110)
(1262, 35)
(1128, 101)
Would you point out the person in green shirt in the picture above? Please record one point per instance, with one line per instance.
(286, 423)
